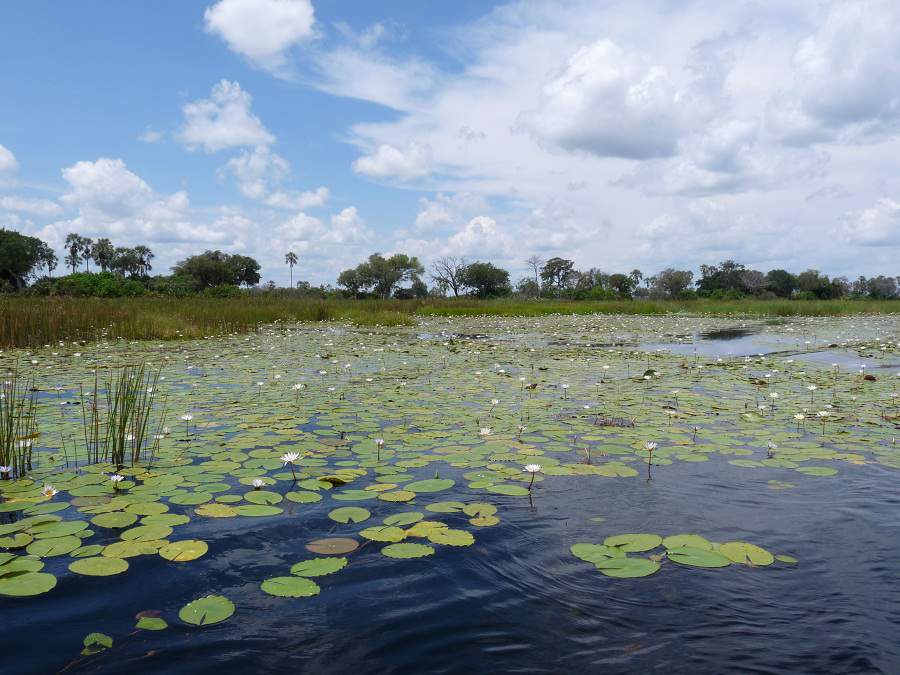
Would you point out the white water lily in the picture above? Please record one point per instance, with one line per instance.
(485, 431)
(532, 468)
(187, 418)
(116, 478)
(258, 483)
(650, 446)
(290, 457)
(48, 490)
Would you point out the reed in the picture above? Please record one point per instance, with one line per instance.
(18, 425)
(35, 322)
(116, 416)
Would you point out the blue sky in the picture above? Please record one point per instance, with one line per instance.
(622, 134)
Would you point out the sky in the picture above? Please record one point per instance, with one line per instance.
(624, 134)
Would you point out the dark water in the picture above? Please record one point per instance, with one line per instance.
(517, 601)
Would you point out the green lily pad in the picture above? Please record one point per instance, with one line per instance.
(349, 514)
(317, 567)
(290, 587)
(697, 557)
(98, 566)
(451, 537)
(206, 611)
(151, 623)
(185, 550)
(634, 543)
(627, 568)
(407, 550)
(594, 553)
(114, 519)
(746, 553)
(30, 583)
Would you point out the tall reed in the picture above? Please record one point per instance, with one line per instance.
(18, 424)
(116, 416)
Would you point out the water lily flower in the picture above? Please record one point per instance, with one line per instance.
(48, 490)
(485, 431)
(771, 448)
(290, 458)
(257, 483)
(4, 471)
(532, 469)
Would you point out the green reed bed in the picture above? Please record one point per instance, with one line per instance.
(33, 322)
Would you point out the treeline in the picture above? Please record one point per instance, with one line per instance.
(27, 265)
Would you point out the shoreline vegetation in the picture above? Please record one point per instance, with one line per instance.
(37, 321)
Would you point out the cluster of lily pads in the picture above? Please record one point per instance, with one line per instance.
(366, 428)
(690, 550)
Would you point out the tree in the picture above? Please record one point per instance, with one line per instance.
(383, 274)
(882, 288)
(449, 272)
(528, 287)
(87, 252)
(20, 256)
(725, 277)
(125, 261)
(535, 262)
(622, 284)
(636, 277)
(557, 273)
(672, 283)
(48, 258)
(781, 282)
(486, 280)
(103, 253)
(290, 259)
(143, 257)
(351, 280)
(813, 284)
(215, 268)
(753, 282)
(73, 250)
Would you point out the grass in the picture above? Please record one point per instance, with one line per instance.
(33, 322)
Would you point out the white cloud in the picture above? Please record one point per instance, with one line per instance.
(262, 31)
(223, 121)
(257, 171)
(446, 210)
(37, 207)
(390, 162)
(150, 135)
(841, 75)
(298, 200)
(610, 102)
(480, 238)
(112, 201)
(8, 164)
(874, 226)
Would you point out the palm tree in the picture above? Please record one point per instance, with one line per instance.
(144, 256)
(73, 246)
(87, 251)
(290, 259)
(103, 252)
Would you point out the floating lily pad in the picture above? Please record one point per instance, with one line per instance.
(746, 554)
(333, 546)
(349, 514)
(206, 611)
(30, 583)
(318, 567)
(185, 550)
(290, 587)
(697, 557)
(406, 518)
(633, 543)
(151, 623)
(384, 533)
(407, 550)
(627, 568)
(115, 519)
(98, 566)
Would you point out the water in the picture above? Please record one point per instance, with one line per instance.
(518, 601)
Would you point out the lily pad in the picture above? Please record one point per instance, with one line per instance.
(206, 611)
(290, 587)
(185, 550)
(407, 550)
(349, 514)
(98, 566)
(317, 567)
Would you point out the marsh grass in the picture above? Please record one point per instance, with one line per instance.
(18, 423)
(116, 417)
(33, 322)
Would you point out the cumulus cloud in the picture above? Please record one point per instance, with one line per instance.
(875, 226)
(150, 135)
(389, 162)
(298, 200)
(8, 164)
(446, 210)
(609, 102)
(113, 201)
(223, 121)
(841, 72)
(262, 31)
(37, 207)
(257, 170)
